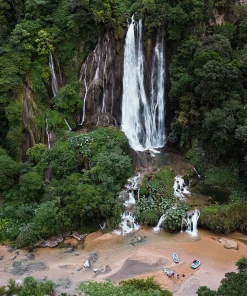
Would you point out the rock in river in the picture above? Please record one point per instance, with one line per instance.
(228, 243)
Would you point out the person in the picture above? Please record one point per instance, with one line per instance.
(177, 276)
(173, 274)
(183, 275)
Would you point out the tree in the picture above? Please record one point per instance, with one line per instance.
(31, 187)
(234, 283)
(36, 153)
(205, 291)
(9, 170)
(49, 219)
(68, 100)
(135, 287)
(63, 160)
(43, 41)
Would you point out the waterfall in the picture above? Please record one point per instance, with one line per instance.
(142, 121)
(189, 221)
(84, 71)
(128, 223)
(68, 125)
(199, 176)
(157, 96)
(180, 189)
(54, 84)
(48, 133)
(161, 220)
(105, 76)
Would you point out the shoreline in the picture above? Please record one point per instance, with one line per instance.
(120, 260)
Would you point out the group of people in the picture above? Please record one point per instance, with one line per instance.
(171, 273)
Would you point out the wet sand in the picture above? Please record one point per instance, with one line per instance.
(122, 260)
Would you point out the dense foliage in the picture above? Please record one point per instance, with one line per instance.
(87, 173)
(76, 182)
(225, 218)
(158, 199)
(131, 287)
(30, 287)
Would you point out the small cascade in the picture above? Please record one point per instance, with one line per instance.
(54, 84)
(189, 221)
(105, 73)
(128, 223)
(180, 189)
(85, 71)
(48, 134)
(69, 127)
(143, 121)
(199, 176)
(161, 220)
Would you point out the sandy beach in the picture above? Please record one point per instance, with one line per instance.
(120, 259)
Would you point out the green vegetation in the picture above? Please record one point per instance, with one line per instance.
(130, 287)
(157, 199)
(87, 173)
(75, 183)
(30, 287)
(225, 218)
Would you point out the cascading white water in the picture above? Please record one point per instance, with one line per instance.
(142, 122)
(48, 134)
(189, 221)
(54, 84)
(199, 176)
(157, 138)
(69, 127)
(96, 58)
(128, 223)
(161, 220)
(105, 73)
(180, 189)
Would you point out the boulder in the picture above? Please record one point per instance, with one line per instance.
(79, 237)
(50, 243)
(228, 243)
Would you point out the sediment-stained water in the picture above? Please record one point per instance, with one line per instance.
(116, 255)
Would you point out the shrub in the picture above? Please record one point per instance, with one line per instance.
(226, 218)
(174, 217)
(9, 170)
(149, 217)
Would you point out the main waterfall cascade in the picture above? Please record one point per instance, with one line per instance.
(142, 114)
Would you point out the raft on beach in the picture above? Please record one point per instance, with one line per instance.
(175, 258)
(195, 264)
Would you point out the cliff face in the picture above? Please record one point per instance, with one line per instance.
(30, 113)
(101, 88)
(101, 82)
(101, 79)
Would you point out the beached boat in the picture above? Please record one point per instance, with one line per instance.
(175, 258)
(195, 264)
